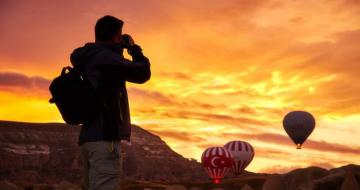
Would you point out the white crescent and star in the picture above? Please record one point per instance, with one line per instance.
(213, 161)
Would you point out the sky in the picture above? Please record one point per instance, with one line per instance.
(221, 71)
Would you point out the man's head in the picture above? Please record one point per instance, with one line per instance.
(108, 29)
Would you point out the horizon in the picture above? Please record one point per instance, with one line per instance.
(221, 71)
(278, 172)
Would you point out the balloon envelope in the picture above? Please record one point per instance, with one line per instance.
(243, 154)
(299, 125)
(217, 162)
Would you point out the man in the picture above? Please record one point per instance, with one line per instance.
(103, 64)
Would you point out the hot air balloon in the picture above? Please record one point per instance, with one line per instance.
(243, 154)
(217, 162)
(299, 125)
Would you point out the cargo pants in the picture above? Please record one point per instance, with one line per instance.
(101, 165)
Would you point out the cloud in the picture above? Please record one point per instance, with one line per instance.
(246, 110)
(336, 62)
(178, 135)
(217, 118)
(321, 146)
(332, 147)
(176, 75)
(144, 18)
(10, 80)
(270, 153)
(48, 41)
(148, 95)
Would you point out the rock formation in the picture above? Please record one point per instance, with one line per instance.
(246, 187)
(274, 182)
(350, 182)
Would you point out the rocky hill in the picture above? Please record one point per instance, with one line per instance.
(48, 153)
(316, 178)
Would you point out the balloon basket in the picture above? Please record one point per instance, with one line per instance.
(298, 146)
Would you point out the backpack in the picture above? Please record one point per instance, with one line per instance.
(75, 97)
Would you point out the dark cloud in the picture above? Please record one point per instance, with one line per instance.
(22, 81)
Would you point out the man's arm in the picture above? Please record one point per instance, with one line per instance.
(142, 72)
(137, 71)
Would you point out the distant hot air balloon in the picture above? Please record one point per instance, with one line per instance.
(243, 154)
(299, 125)
(217, 162)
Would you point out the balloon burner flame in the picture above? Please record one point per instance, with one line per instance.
(216, 181)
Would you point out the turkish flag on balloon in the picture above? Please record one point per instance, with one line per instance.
(217, 161)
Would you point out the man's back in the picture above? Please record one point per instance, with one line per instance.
(108, 71)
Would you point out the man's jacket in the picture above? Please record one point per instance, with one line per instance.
(108, 72)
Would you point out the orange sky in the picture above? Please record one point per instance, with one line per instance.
(222, 70)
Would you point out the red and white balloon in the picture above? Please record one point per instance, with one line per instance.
(217, 162)
(243, 154)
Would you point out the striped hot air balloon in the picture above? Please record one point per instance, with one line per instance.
(243, 154)
(217, 162)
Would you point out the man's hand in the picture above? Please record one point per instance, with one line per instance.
(131, 41)
(127, 40)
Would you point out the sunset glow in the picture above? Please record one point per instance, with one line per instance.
(221, 71)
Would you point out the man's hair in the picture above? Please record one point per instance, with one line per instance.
(107, 27)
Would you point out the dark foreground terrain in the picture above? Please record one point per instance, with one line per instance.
(46, 157)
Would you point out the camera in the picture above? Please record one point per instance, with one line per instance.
(126, 40)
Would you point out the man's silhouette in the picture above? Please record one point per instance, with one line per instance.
(108, 71)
